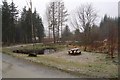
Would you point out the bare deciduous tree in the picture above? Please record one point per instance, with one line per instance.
(56, 16)
(84, 19)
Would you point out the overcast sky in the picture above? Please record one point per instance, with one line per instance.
(109, 7)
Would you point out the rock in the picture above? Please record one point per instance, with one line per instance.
(32, 55)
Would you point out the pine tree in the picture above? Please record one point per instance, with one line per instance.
(77, 35)
(66, 35)
(23, 25)
(13, 21)
(9, 20)
(40, 29)
(28, 26)
(5, 22)
(38, 26)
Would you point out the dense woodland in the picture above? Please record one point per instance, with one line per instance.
(19, 29)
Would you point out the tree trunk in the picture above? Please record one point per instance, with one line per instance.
(54, 24)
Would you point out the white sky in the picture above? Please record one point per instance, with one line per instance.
(109, 7)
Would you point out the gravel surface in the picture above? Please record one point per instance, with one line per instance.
(17, 68)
